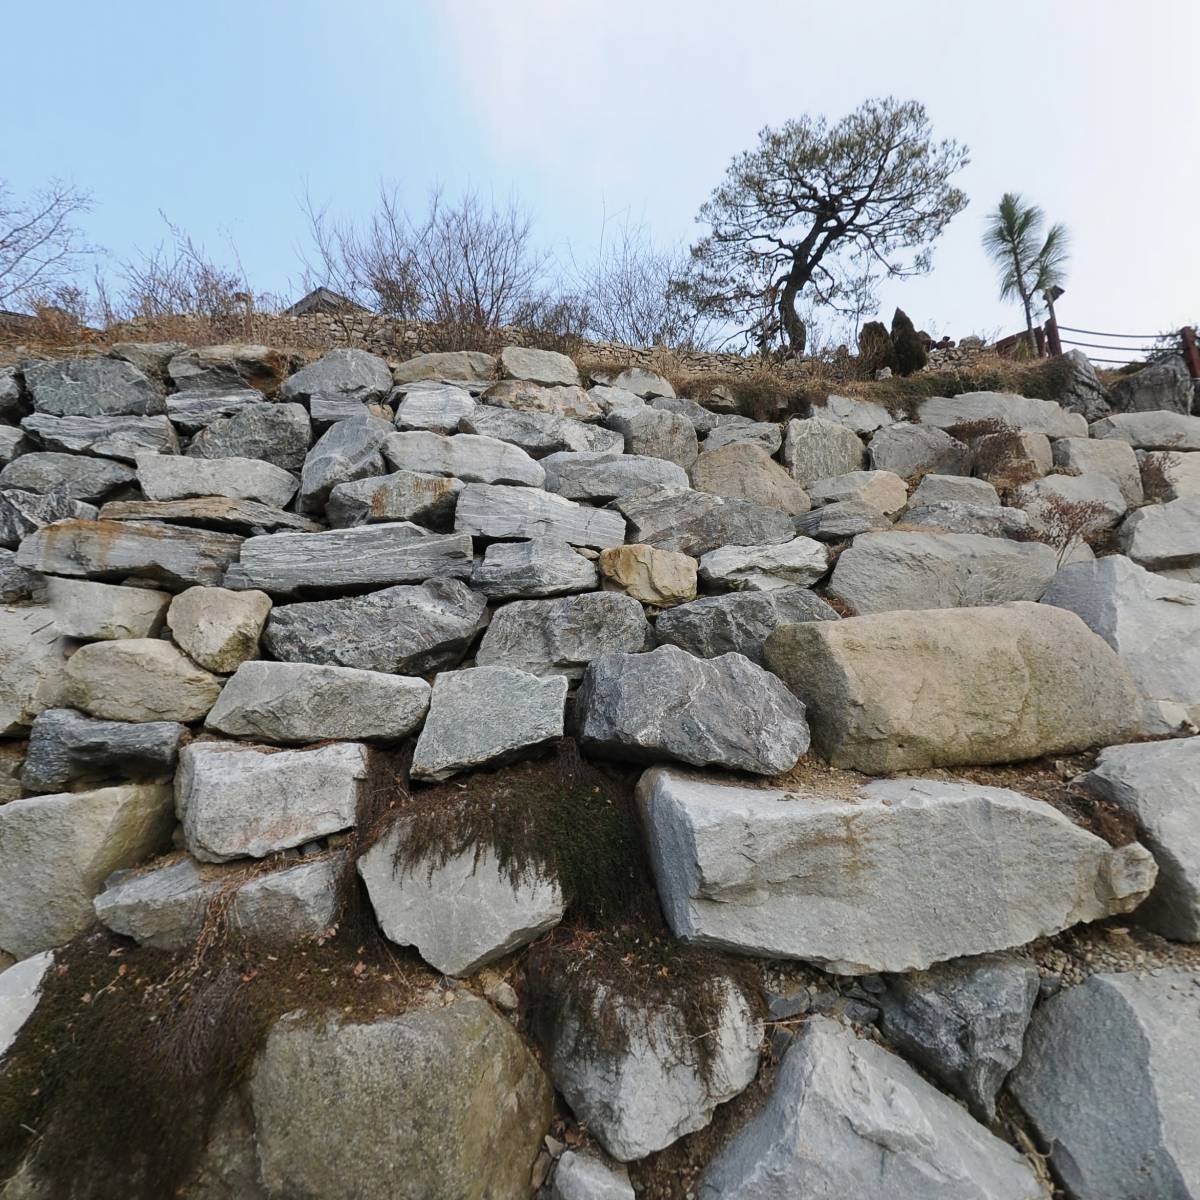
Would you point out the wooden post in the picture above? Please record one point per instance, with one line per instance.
(1039, 336)
(1052, 339)
(1191, 355)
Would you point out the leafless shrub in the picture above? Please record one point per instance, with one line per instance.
(1068, 523)
(1156, 467)
(41, 247)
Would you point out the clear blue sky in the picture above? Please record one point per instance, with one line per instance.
(221, 114)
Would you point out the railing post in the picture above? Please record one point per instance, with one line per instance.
(1052, 338)
(1191, 355)
(1039, 336)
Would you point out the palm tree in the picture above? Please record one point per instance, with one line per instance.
(1029, 263)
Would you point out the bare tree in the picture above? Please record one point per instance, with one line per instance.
(41, 247)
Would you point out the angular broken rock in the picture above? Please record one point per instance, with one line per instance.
(1103, 456)
(847, 1118)
(540, 567)
(309, 702)
(1165, 475)
(18, 584)
(722, 711)
(406, 630)
(655, 433)
(843, 520)
(277, 433)
(193, 411)
(814, 448)
(216, 628)
(746, 471)
(913, 451)
(537, 366)
(67, 749)
(1098, 500)
(91, 387)
(1162, 536)
(639, 381)
(1151, 430)
(151, 358)
(963, 1021)
(765, 568)
(237, 801)
(1164, 386)
(905, 690)
(657, 1087)
(56, 851)
(612, 399)
(738, 622)
(520, 395)
(542, 433)
(23, 512)
(114, 550)
(584, 1176)
(438, 407)
(347, 450)
(739, 869)
(1144, 1032)
(863, 416)
(31, 662)
(953, 489)
(1019, 412)
(366, 556)
(658, 577)
(1158, 783)
(466, 456)
(766, 435)
(998, 521)
(401, 496)
(339, 375)
(204, 368)
(170, 477)
(71, 476)
(12, 444)
(561, 636)
(1011, 458)
(599, 478)
(694, 522)
(453, 364)
(240, 516)
(20, 991)
(461, 912)
(880, 489)
(138, 679)
(497, 511)
(885, 572)
(113, 437)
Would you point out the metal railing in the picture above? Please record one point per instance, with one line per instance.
(1151, 343)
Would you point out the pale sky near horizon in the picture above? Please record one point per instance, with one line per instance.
(221, 114)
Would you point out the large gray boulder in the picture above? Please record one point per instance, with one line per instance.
(337, 378)
(862, 416)
(113, 437)
(172, 477)
(467, 456)
(542, 433)
(71, 476)
(1162, 536)
(879, 489)
(540, 567)
(1017, 412)
(347, 450)
(1164, 386)
(151, 358)
(766, 435)
(13, 444)
(310, 702)
(655, 433)
(746, 471)
(521, 395)
(460, 911)
(1102, 456)
(508, 513)
(739, 622)
(485, 715)
(599, 478)
(1135, 1036)
(913, 451)
(1152, 623)
(1082, 391)
(668, 704)
(22, 512)
(561, 636)
(1093, 503)
(428, 500)
(276, 433)
(639, 380)
(68, 750)
(216, 628)
(1151, 430)
(1158, 783)
(465, 365)
(815, 448)
(694, 522)
(18, 584)
(963, 1021)
(739, 869)
(406, 630)
(883, 572)
(32, 652)
(239, 364)
(114, 550)
(765, 568)
(841, 521)
(846, 1118)
(436, 1101)
(642, 1095)
(365, 556)
(905, 690)
(212, 512)
(997, 521)
(438, 407)
(237, 801)
(953, 489)
(91, 387)
(56, 851)
(190, 412)
(538, 366)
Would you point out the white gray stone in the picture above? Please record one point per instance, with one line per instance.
(467, 456)
(211, 512)
(438, 407)
(1102, 456)
(1163, 536)
(841, 521)
(70, 476)
(953, 489)
(1166, 475)
(13, 443)
(169, 477)
(766, 434)
(91, 387)
(520, 395)
(427, 500)
(18, 584)
(765, 568)
(93, 611)
(694, 522)
(862, 416)
(1017, 412)
(599, 478)
(192, 411)
(347, 450)
(276, 433)
(998, 521)
(32, 652)
(638, 380)
(20, 991)
(746, 471)
(1150, 430)
(216, 628)
(537, 366)
(337, 376)
(815, 448)
(580, 1176)
(542, 433)
(913, 451)
(658, 434)
(21, 513)
(446, 365)
(500, 512)
(880, 489)
(114, 437)
(1097, 500)
(532, 570)
(703, 420)
(1164, 386)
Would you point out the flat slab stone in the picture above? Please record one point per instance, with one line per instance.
(953, 489)
(168, 477)
(537, 366)
(1017, 412)
(192, 411)
(843, 520)
(439, 407)
(21, 513)
(998, 521)
(765, 568)
(767, 435)
(242, 516)
(277, 433)
(91, 387)
(883, 490)
(466, 456)
(534, 569)
(202, 368)
(913, 451)
(1150, 430)
(542, 433)
(497, 511)
(32, 652)
(521, 395)
(112, 437)
(415, 496)
(599, 478)
(73, 476)
(1163, 536)
(748, 869)
(638, 380)
(453, 364)
(694, 522)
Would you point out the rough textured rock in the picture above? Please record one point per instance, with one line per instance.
(151, 358)
(599, 478)
(847, 1118)
(1159, 784)
(883, 572)
(216, 628)
(67, 749)
(236, 801)
(212, 512)
(766, 435)
(101, 611)
(1165, 475)
(817, 449)
(462, 1105)
(31, 660)
(880, 489)
(560, 637)
(523, 396)
(20, 990)
(658, 434)
(841, 521)
(1009, 459)
(669, 704)
(337, 376)
(1161, 536)
(309, 702)
(11, 393)
(963, 1021)
(453, 364)
(658, 577)
(1044, 499)
(1101, 456)
(91, 387)
(276, 433)
(580, 1176)
(998, 521)
(57, 850)
(538, 366)
(1083, 392)
(913, 451)
(740, 870)
(953, 489)
(648, 1095)
(138, 679)
(612, 399)
(487, 714)
(496, 511)
(18, 584)
(71, 476)
(637, 380)
(190, 412)
(1162, 387)
(166, 554)
(542, 433)
(1018, 412)
(746, 471)
(405, 630)
(13, 443)
(694, 522)
(401, 496)
(739, 622)
(461, 913)
(1138, 1034)
(537, 568)
(204, 368)
(862, 416)
(906, 690)
(703, 420)
(367, 556)
(438, 407)
(1151, 430)
(171, 477)
(113, 437)
(1152, 623)
(765, 568)
(347, 450)
(466, 456)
